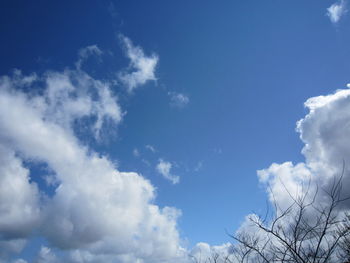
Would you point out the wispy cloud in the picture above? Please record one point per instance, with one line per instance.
(164, 168)
(150, 148)
(86, 52)
(142, 67)
(336, 11)
(136, 152)
(198, 166)
(178, 100)
(146, 162)
(217, 151)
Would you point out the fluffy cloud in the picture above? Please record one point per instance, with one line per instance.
(178, 100)
(97, 213)
(19, 203)
(68, 96)
(46, 256)
(336, 11)
(164, 168)
(325, 131)
(142, 67)
(19, 198)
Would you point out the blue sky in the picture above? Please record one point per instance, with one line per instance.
(221, 100)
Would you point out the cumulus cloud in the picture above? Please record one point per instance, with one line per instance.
(164, 168)
(336, 11)
(285, 180)
(19, 198)
(96, 213)
(142, 67)
(19, 203)
(178, 100)
(325, 131)
(46, 256)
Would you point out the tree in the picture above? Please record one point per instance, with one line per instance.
(344, 252)
(312, 229)
(307, 231)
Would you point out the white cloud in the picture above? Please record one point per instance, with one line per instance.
(86, 52)
(22, 80)
(164, 168)
(97, 213)
(50, 180)
(143, 67)
(199, 166)
(325, 132)
(19, 198)
(336, 11)
(150, 148)
(203, 252)
(46, 256)
(147, 163)
(178, 100)
(73, 95)
(136, 152)
(285, 179)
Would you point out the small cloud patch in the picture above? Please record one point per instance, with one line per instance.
(164, 168)
(178, 100)
(143, 67)
(336, 11)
